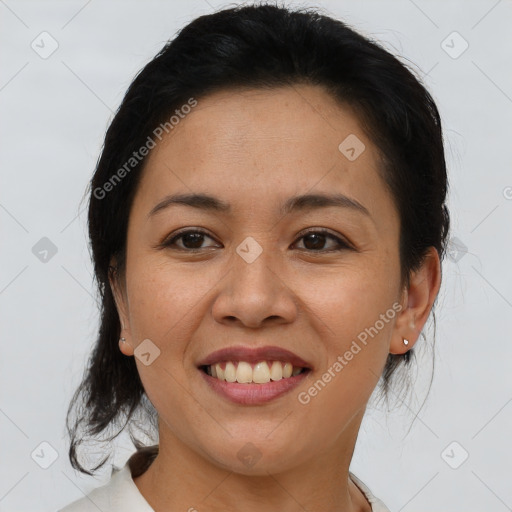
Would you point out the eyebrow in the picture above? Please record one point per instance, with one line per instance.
(294, 204)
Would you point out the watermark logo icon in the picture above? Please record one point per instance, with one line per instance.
(147, 352)
(352, 147)
(45, 45)
(249, 455)
(456, 249)
(249, 249)
(44, 455)
(454, 455)
(454, 45)
(44, 250)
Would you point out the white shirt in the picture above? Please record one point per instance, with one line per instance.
(121, 494)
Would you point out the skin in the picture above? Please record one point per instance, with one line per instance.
(254, 149)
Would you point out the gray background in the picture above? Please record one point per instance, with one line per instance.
(54, 113)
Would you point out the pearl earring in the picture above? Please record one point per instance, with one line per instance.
(122, 340)
(406, 342)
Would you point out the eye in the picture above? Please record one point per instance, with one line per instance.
(315, 240)
(191, 240)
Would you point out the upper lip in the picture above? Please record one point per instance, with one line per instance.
(254, 355)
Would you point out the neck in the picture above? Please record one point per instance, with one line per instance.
(181, 479)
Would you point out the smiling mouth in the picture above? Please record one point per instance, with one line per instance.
(261, 372)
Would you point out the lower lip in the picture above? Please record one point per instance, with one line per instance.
(253, 394)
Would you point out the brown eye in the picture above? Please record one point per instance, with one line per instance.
(315, 241)
(190, 240)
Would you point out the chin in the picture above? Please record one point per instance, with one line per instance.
(256, 457)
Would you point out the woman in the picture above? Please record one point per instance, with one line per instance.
(267, 221)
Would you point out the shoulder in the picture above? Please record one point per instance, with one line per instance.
(376, 503)
(119, 494)
(100, 498)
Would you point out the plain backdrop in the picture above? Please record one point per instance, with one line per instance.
(54, 109)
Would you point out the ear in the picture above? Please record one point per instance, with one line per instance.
(118, 288)
(417, 302)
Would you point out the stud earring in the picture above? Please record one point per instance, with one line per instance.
(122, 340)
(406, 342)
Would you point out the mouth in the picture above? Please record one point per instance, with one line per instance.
(253, 376)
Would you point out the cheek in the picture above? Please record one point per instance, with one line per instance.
(348, 301)
(161, 300)
(165, 307)
(356, 318)
(353, 311)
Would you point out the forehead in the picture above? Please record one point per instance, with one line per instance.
(251, 147)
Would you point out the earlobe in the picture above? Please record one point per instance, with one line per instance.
(125, 347)
(419, 297)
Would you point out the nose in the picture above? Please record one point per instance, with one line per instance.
(255, 294)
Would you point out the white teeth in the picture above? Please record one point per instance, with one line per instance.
(219, 371)
(244, 373)
(276, 371)
(230, 372)
(261, 373)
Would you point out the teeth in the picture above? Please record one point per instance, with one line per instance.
(261, 373)
(230, 372)
(276, 371)
(244, 373)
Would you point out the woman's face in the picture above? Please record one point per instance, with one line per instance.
(262, 274)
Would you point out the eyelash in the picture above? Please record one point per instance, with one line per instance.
(343, 245)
